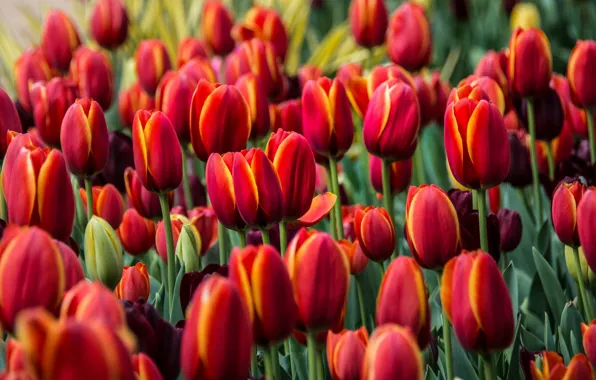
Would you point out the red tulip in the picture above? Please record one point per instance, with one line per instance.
(255, 95)
(426, 99)
(134, 284)
(375, 232)
(441, 90)
(189, 48)
(290, 114)
(530, 62)
(308, 72)
(400, 174)
(145, 368)
(368, 21)
(152, 62)
(173, 98)
(494, 65)
(357, 259)
(345, 353)
(160, 235)
(205, 221)
(199, 68)
(265, 24)
(142, 200)
(136, 233)
(73, 271)
(109, 23)
(409, 40)
(586, 221)
(29, 68)
(91, 70)
(217, 27)
(131, 100)
(479, 88)
(9, 121)
(566, 198)
(582, 58)
(59, 39)
(107, 204)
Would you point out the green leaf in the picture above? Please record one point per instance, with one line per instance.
(575, 344)
(550, 283)
(429, 374)
(511, 280)
(513, 371)
(563, 347)
(531, 341)
(177, 314)
(570, 325)
(461, 362)
(548, 335)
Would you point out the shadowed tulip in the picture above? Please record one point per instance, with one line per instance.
(566, 198)
(348, 71)
(490, 65)
(131, 100)
(426, 99)
(205, 221)
(375, 233)
(145, 368)
(103, 253)
(30, 67)
(290, 114)
(192, 280)
(586, 225)
(409, 39)
(510, 229)
(136, 233)
(107, 204)
(357, 259)
(142, 200)
(442, 89)
(151, 63)
(520, 168)
(160, 235)
(530, 62)
(92, 71)
(582, 58)
(308, 72)
(575, 118)
(59, 39)
(400, 174)
(73, 270)
(216, 26)
(189, 48)
(255, 96)
(199, 68)
(109, 23)
(134, 283)
(9, 122)
(265, 24)
(173, 98)
(345, 353)
(120, 157)
(549, 114)
(368, 21)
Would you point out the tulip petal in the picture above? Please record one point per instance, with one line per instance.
(316, 117)
(464, 321)
(246, 190)
(357, 91)
(268, 187)
(220, 187)
(319, 208)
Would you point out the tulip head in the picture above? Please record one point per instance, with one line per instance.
(480, 88)
(582, 58)
(92, 71)
(131, 100)
(107, 203)
(9, 122)
(400, 174)
(134, 284)
(29, 68)
(586, 220)
(549, 114)
(345, 353)
(103, 253)
(173, 98)
(566, 198)
(375, 232)
(145, 368)
(368, 21)
(109, 23)
(73, 271)
(189, 48)
(152, 62)
(357, 259)
(510, 229)
(494, 65)
(188, 248)
(205, 221)
(265, 24)
(217, 27)
(290, 115)
(530, 62)
(409, 40)
(520, 167)
(220, 187)
(59, 39)
(142, 200)
(589, 340)
(136, 233)
(254, 93)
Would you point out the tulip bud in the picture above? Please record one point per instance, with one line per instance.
(575, 118)
(392, 353)
(375, 232)
(31, 274)
(103, 253)
(473, 285)
(145, 368)
(491, 91)
(530, 62)
(409, 40)
(400, 174)
(29, 68)
(581, 59)
(589, 339)
(566, 198)
(586, 223)
(426, 99)
(152, 62)
(290, 114)
(109, 23)
(327, 118)
(134, 283)
(160, 235)
(107, 204)
(73, 271)
(520, 168)
(524, 15)
(490, 65)
(188, 248)
(265, 24)
(205, 221)
(357, 259)
(157, 153)
(368, 21)
(510, 229)
(390, 129)
(131, 100)
(144, 202)
(59, 39)
(469, 127)
(136, 233)
(199, 68)
(220, 187)
(441, 90)
(308, 72)
(549, 114)
(255, 96)
(217, 27)
(189, 48)
(219, 317)
(173, 98)
(345, 353)
(9, 122)
(320, 276)
(92, 71)
(220, 120)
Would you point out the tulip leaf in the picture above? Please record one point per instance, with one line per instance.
(511, 280)
(462, 367)
(2, 355)
(548, 335)
(513, 371)
(531, 341)
(576, 346)
(431, 139)
(550, 283)
(177, 314)
(429, 374)
(352, 319)
(154, 289)
(543, 239)
(563, 347)
(570, 325)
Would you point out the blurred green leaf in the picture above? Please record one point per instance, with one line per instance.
(550, 283)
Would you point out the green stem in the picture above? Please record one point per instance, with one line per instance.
(337, 206)
(320, 369)
(242, 238)
(89, 191)
(311, 343)
(4, 210)
(370, 59)
(186, 182)
(591, 135)
(481, 196)
(534, 160)
(265, 236)
(490, 372)
(275, 361)
(254, 364)
(221, 236)
(382, 269)
(288, 351)
(333, 224)
(447, 342)
(360, 301)
(269, 371)
(283, 237)
(419, 165)
(388, 196)
(167, 222)
(580, 284)
(551, 161)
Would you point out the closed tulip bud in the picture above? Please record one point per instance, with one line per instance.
(357, 259)
(327, 118)
(581, 59)
(157, 153)
(120, 157)
(205, 221)
(131, 100)
(530, 62)
(589, 339)
(136, 233)
(173, 98)
(442, 89)
(9, 122)
(309, 72)
(586, 223)
(375, 232)
(220, 187)
(520, 168)
(549, 114)
(142, 200)
(217, 338)
(566, 199)
(403, 299)
(265, 24)
(392, 353)
(189, 48)
(29, 68)
(490, 87)
(368, 21)
(59, 39)
(145, 368)
(73, 271)
(109, 23)
(107, 204)
(134, 284)
(345, 353)
(199, 68)
(31, 274)
(490, 66)
(382, 74)
(103, 253)
(255, 96)
(400, 174)
(320, 275)
(426, 99)
(472, 285)
(391, 125)
(220, 120)
(476, 143)
(290, 114)
(152, 62)
(217, 27)
(188, 248)
(575, 118)
(92, 71)
(348, 71)
(524, 15)
(409, 40)
(510, 229)
(160, 235)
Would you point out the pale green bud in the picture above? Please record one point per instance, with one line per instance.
(103, 253)
(188, 249)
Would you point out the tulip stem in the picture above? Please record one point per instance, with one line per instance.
(551, 161)
(447, 339)
(167, 223)
(481, 196)
(591, 137)
(242, 238)
(333, 224)
(581, 286)
(490, 372)
(288, 350)
(320, 369)
(185, 182)
(419, 166)
(221, 236)
(269, 371)
(382, 266)
(89, 191)
(361, 302)
(311, 343)
(337, 205)
(265, 236)
(254, 364)
(388, 198)
(283, 237)
(534, 160)
(275, 361)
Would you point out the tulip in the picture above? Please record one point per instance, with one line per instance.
(59, 39)
(254, 93)
(575, 118)
(31, 274)
(120, 157)
(392, 353)
(220, 120)
(217, 315)
(173, 98)
(188, 248)
(530, 62)
(107, 204)
(426, 99)
(491, 65)
(553, 367)
(348, 71)
(510, 229)
(463, 295)
(136, 233)
(9, 122)
(491, 89)
(103, 253)
(308, 72)
(549, 114)
(355, 256)
(192, 280)
(109, 23)
(199, 68)
(92, 71)
(30, 170)
(205, 221)
(368, 21)
(84, 138)
(142, 200)
(265, 24)
(375, 232)
(189, 48)
(15, 360)
(217, 27)
(345, 353)
(177, 221)
(73, 270)
(130, 101)
(400, 174)
(145, 368)
(134, 283)
(520, 168)
(29, 68)
(589, 340)
(409, 40)
(152, 62)
(442, 90)
(586, 221)
(564, 211)
(290, 116)
(157, 153)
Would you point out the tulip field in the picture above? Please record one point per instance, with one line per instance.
(299, 190)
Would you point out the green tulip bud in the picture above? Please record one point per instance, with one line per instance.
(188, 249)
(103, 253)
(589, 276)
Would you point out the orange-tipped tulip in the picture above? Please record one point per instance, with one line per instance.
(91, 70)
(589, 340)
(220, 187)
(136, 233)
(368, 21)
(265, 24)
(109, 23)
(476, 300)
(476, 143)
(217, 338)
(59, 39)
(84, 138)
(392, 354)
(173, 98)
(409, 40)
(152, 62)
(254, 93)
(160, 235)
(441, 90)
(586, 225)
(308, 72)
(553, 367)
(142, 200)
(575, 118)
(345, 353)
(327, 118)
(426, 99)
(262, 278)
(189, 48)
(375, 232)
(205, 221)
(530, 62)
(73, 270)
(320, 275)
(400, 174)
(134, 284)
(107, 203)
(357, 259)
(29, 68)
(566, 198)
(217, 27)
(580, 74)
(428, 205)
(157, 153)
(479, 88)
(392, 121)
(31, 274)
(494, 65)
(220, 120)
(145, 368)
(348, 71)
(199, 68)
(131, 100)
(9, 122)
(403, 299)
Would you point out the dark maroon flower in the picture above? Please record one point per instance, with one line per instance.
(462, 201)
(510, 227)
(520, 167)
(549, 115)
(119, 159)
(191, 281)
